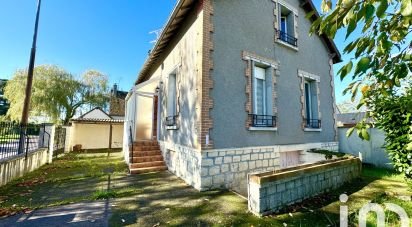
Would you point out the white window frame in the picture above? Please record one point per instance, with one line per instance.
(265, 98)
(310, 79)
(286, 21)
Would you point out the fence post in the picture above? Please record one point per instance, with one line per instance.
(51, 143)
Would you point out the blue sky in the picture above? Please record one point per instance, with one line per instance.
(107, 35)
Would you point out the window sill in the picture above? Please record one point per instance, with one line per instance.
(262, 129)
(287, 45)
(174, 127)
(312, 129)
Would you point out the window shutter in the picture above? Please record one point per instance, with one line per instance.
(296, 25)
(276, 14)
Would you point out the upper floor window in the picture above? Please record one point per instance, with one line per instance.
(286, 18)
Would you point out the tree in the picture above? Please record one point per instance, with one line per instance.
(4, 105)
(56, 93)
(380, 68)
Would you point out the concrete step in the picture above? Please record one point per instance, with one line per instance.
(147, 164)
(144, 148)
(145, 143)
(144, 153)
(153, 158)
(148, 169)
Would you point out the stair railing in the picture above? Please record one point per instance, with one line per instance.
(131, 141)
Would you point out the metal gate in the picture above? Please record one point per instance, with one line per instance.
(59, 140)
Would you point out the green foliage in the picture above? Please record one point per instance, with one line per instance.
(381, 66)
(56, 93)
(398, 132)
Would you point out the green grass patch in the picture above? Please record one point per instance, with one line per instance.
(329, 154)
(72, 177)
(104, 194)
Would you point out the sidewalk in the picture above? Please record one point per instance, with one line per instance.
(79, 214)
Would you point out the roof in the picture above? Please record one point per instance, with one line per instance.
(178, 15)
(96, 120)
(308, 6)
(174, 22)
(350, 119)
(97, 110)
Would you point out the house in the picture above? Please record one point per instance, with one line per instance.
(117, 103)
(95, 130)
(232, 88)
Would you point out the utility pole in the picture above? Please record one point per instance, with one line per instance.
(26, 106)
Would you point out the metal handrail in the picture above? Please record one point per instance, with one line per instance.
(263, 120)
(285, 37)
(131, 141)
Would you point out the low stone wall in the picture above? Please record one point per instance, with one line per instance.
(271, 191)
(228, 168)
(18, 166)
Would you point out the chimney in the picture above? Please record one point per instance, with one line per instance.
(115, 90)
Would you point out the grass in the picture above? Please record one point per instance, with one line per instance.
(175, 204)
(164, 199)
(72, 178)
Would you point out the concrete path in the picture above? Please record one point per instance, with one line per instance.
(79, 214)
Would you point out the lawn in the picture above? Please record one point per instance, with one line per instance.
(163, 199)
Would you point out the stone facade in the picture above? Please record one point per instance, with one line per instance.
(184, 162)
(269, 192)
(228, 168)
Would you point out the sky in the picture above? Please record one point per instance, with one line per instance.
(111, 36)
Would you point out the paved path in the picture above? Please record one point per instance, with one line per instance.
(79, 214)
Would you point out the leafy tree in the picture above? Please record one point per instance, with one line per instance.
(380, 68)
(56, 93)
(4, 105)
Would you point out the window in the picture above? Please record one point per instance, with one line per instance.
(171, 101)
(262, 97)
(285, 30)
(311, 105)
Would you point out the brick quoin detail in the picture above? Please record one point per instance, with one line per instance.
(206, 78)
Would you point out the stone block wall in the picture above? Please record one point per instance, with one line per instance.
(229, 168)
(184, 162)
(269, 192)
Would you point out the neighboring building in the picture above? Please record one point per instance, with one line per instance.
(95, 130)
(234, 87)
(351, 119)
(117, 103)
